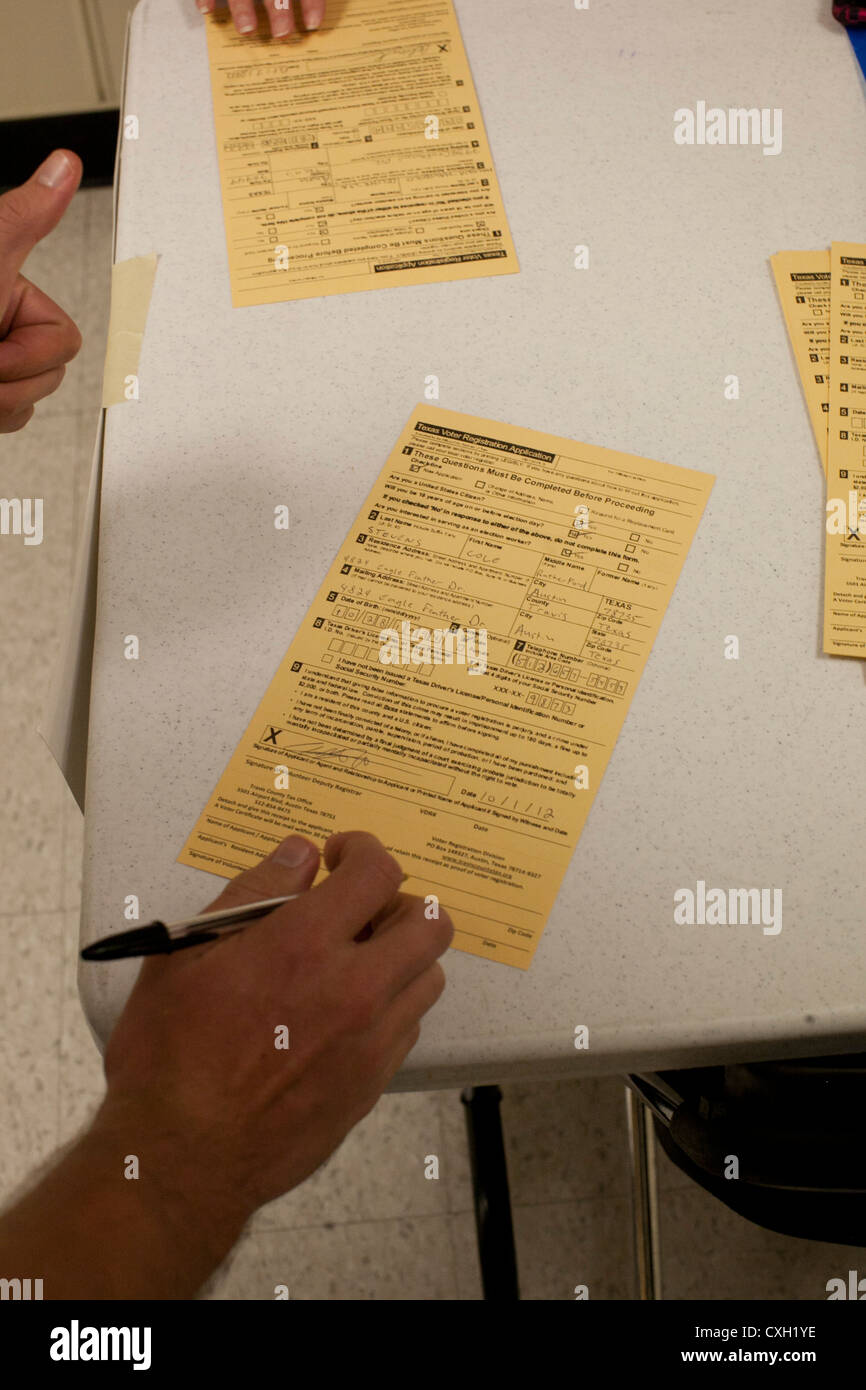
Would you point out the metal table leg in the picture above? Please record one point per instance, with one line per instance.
(490, 1185)
(641, 1137)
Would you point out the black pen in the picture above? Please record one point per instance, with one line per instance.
(159, 938)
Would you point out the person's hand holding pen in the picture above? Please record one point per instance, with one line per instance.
(219, 1114)
(280, 15)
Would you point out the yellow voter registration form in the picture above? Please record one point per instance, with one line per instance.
(354, 157)
(803, 282)
(543, 568)
(845, 555)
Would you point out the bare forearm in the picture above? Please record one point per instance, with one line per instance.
(90, 1231)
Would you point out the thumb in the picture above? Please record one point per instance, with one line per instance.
(31, 211)
(290, 869)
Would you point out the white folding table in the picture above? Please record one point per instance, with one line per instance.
(739, 773)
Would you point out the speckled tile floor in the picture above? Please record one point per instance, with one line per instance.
(367, 1225)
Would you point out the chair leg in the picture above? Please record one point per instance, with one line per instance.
(645, 1213)
(490, 1186)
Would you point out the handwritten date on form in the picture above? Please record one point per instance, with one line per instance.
(479, 783)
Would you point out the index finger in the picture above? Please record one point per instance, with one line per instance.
(42, 335)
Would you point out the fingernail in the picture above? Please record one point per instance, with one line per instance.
(292, 852)
(248, 25)
(203, 6)
(313, 18)
(281, 28)
(54, 170)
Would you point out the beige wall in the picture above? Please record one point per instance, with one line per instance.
(60, 56)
